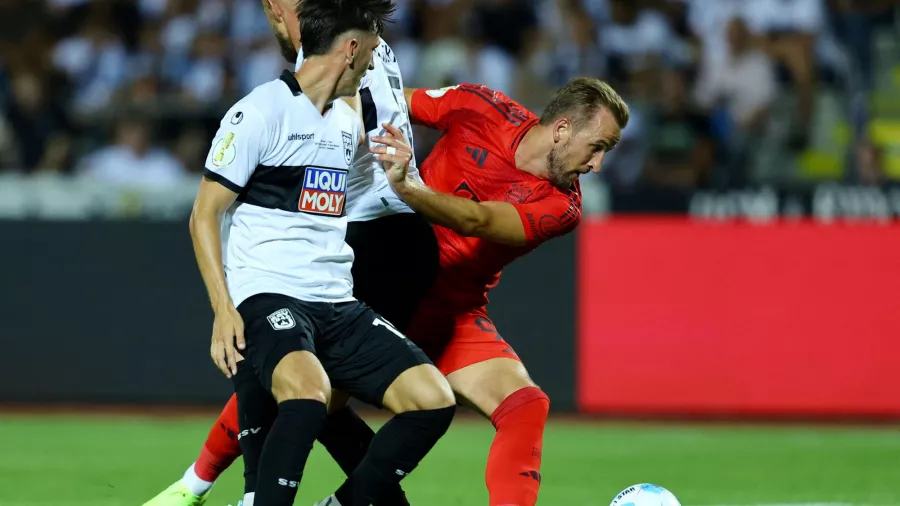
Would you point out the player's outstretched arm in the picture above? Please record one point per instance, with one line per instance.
(498, 222)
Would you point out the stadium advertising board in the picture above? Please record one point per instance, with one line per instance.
(793, 318)
(115, 312)
(824, 202)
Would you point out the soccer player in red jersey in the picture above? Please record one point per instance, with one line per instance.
(499, 182)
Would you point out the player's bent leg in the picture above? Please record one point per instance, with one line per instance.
(398, 376)
(424, 406)
(501, 389)
(347, 438)
(301, 388)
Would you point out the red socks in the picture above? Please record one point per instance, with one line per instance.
(514, 463)
(221, 447)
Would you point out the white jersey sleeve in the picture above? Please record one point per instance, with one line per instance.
(238, 147)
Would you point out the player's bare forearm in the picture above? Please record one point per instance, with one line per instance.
(494, 221)
(208, 251)
(206, 226)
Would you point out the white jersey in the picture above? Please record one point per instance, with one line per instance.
(289, 165)
(369, 195)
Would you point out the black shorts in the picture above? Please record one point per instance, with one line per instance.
(361, 352)
(395, 263)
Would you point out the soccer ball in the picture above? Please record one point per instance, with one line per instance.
(645, 494)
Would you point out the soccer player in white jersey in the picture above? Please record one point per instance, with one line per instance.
(268, 228)
(381, 230)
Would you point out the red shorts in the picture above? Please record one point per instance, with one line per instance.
(454, 341)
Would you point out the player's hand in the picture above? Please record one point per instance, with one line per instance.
(227, 337)
(394, 153)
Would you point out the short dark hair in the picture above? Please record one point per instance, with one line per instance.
(581, 98)
(323, 21)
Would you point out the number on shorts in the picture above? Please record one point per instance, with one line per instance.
(378, 322)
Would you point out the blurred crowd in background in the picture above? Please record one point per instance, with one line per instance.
(724, 93)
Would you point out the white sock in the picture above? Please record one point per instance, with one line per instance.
(193, 482)
(325, 502)
(248, 498)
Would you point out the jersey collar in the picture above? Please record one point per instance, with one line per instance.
(288, 78)
(520, 134)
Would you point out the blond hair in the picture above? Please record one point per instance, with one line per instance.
(581, 98)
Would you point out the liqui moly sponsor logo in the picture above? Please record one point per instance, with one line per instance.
(324, 191)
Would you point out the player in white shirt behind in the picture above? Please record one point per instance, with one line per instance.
(278, 173)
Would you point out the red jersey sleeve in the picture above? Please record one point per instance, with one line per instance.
(435, 108)
(551, 216)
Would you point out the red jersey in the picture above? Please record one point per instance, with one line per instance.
(475, 159)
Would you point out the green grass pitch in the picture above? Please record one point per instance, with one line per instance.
(57, 460)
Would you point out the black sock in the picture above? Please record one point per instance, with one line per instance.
(286, 449)
(256, 412)
(346, 436)
(394, 452)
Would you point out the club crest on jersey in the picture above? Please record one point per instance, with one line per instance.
(324, 191)
(518, 194)
(282, 319)
(348, 147)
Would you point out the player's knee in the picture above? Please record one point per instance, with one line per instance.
(438, 395)
(419, 388)
(435, 392)
(299, 375)
(287, 387)
(486, 385)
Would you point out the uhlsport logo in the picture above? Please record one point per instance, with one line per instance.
(302, 137)
(323, 191)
